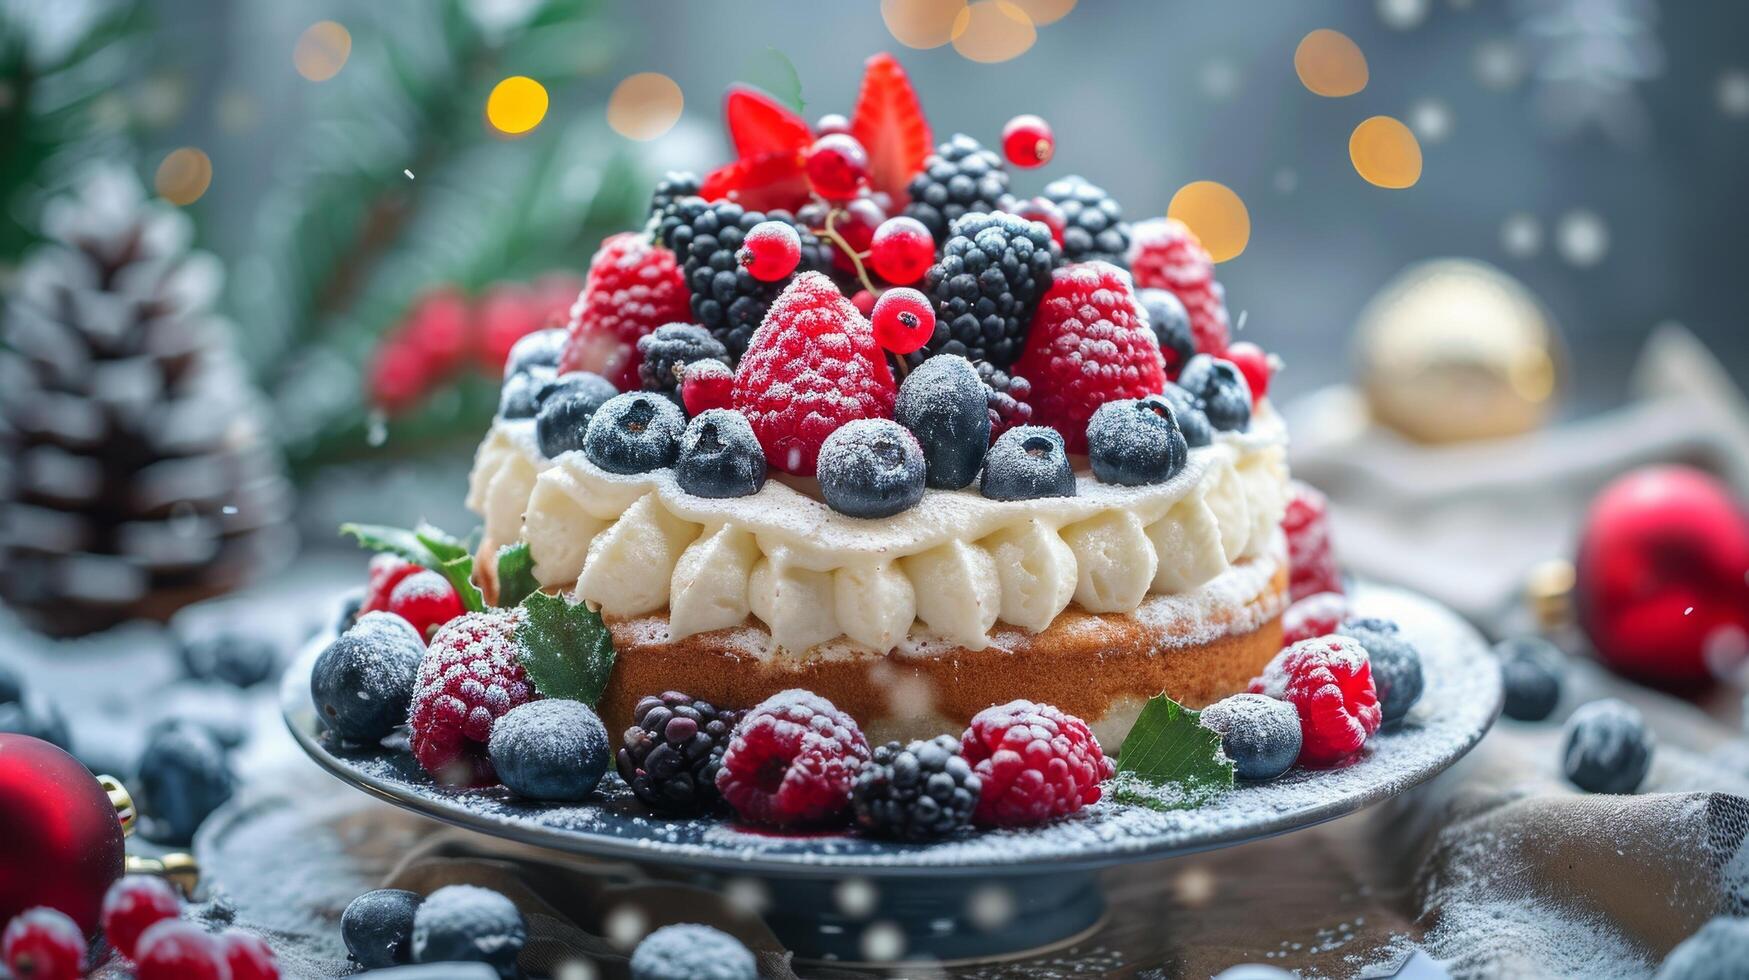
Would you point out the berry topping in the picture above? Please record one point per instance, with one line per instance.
(1608, 748)
(377, 927)
(1318, 614)
(760, 124)
(247, 956)
(792, 760)
(1005, 399)
(837, 167)
(769, 181)
(632, 288)
(1025, 463)
(1036, 763)
(1255, 365)
(549, 750)
(1093, 225)
(1396, 665)
(917, 791)
(1311, 561)
(719, 456)
(177, 950)
(871, 468)
(888, 122)
(1027, 141)
(673, 186)
(673, 347)
(1170, 322)
(427, 600)
(134, 904)
(705, 385)
(519, 398)
(812, 367)
(689, 951)
(864, 301)
(568, 402)
(384, 572)
(853, 225)
(636, 432)
(1165, 254)
(1192, 421)
(1135, 442)
(42, 944)
(1042, 210)
(469, 924)
(1261, 735)
(945, 405)
(183, 777)
(771, 251)
(832, 122)
(1089, 345)
(470, 677)
(1222, 389)
(362, 683)
(538, 349)
(903, 320)
(901, 250)
(726, 298)
(986, 286)
(1530, 669)
(1329, 681)
(959, 178)
(237, 659)
(671, 754)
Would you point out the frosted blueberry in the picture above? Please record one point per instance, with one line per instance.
(636, 432)
(1260, 734)
(1135, 441)
(1170, 322)
(1192, 421)
(688, 951)
(519, 398)
(720, 456)
(549, 750)
(1225, 394)
(363, 683)
(1608, 748)
(539, 349)
(567, 403)
(946, 406)
(1396, 665)
(469, 924)
(1027, 462)
(184, 777)
(377, 927)
(1530, 670)
(871, 468)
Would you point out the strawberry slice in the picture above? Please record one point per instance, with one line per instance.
(759, 124)
(890, 125)
(761, 183)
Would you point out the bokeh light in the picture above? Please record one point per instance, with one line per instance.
(921, 23)
(644, 106)
(1329, 63)
(1404, 14)
(1386, 153)
(1582, 238)
(1734, 93)
(1431, 120)
(1216, 215)
(1521, 235)
(184, 176)
(517, 104)
(322, 50)
(1044, 12)
(993, 30)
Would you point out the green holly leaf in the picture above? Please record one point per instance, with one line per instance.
(444, 545)
(395, 540)
(1169, 761)
(772, 71)
(566, 649)
(428, 547)
(516, 580)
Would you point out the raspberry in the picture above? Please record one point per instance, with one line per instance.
(1316, 615)
(132, 905)
(1090, 344)
(248, 956)
(384, 573)
(1311, 560)
(1164, 254)
(1257, 366)
(1036, 763)
(633, 287)
(792, 760)
(427, 600)
(470, 677)
(1330, 681)
(811, 367)
(177, 950)
(42, 944)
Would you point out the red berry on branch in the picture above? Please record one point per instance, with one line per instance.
(902, 250)
(705, 385)
(1044, 211)
(771, 250)
(1027, 141)
(135, 904)
(384, 573)
(397, 377)
(508, 312)
(864, 302)
(1254, 364)
(438, 328)
(903, 320)
(837, 167)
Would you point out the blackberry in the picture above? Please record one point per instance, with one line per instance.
(726, 299)
(1005, 398)
(1093, 225)
(986, 286)
(674, 185)
(960, 177)
(671, 754)
(671, 347)
(920, 791)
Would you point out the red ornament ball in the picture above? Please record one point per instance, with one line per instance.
(60, 839)
(1027, 141)
(1662, 576)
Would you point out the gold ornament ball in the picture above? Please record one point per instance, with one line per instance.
(1454, 350)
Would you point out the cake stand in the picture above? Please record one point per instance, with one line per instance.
(991, 894)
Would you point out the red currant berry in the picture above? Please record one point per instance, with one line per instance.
(248, 956)
(177, 950)
(855, 222)
(1254, 364)
(864, 302)
(134, 904)
(903, 320)
(42, 944)
(837, 166)
(385, 572)
(902, 250)
(832, 122)
(427, 600)
(770, 251)
(1045, 212)
(1027, 141)
(705, 385)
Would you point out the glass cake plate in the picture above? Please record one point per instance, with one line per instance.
(931, 891)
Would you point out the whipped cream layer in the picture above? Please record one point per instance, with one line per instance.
(948, 569)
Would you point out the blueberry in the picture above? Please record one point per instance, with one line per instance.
(184, 777)
(1260, 734)
(871, 468)
(1719, 951)
(1396, 665)
(363, 683)
(1530, 670)
(1226, 396)
(469, 924)
(720, 456)
(520, 396)
(540, 349)
(350, 605)
(1027, 461)
(11, 685)
(1135, 441)
(232, 658)
(1171, 324)
(636, 432)
(946, 406)
(1608, 749)
(1192, 420)
(567, 403)
(378, 927)
(549, 750)
(689, 951)
(37, 718)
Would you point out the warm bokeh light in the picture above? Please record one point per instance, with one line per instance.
(1216, 215)
(1385, 152)
(993, 30)
(1044, 12)
(1330, 63)
(644, 106)
(322, 51)
(921, 23)
(184, 176)
(516, 105)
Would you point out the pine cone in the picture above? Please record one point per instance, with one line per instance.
(134, 475)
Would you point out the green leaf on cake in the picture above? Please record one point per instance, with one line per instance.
(460, 572)
(566, 648)
(395, 540)
(428, 547)
(516, 580)
(1169, 761)
(444, 545)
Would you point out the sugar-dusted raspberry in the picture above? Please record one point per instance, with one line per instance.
(1330, 681)
(384, 573)
(1036, 763)
(792, 760)
(1316, 615)
(1164, 254)
(633, 287)
(471, 676)
(1090, 344)
(1311, 560)
(811, 367)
